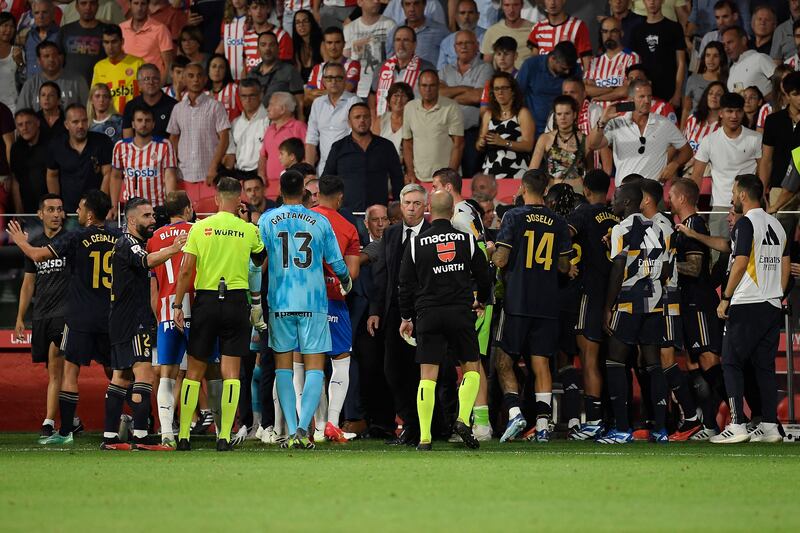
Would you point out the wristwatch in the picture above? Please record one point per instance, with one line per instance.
(725, 298)
(177, 306)
(508, 144)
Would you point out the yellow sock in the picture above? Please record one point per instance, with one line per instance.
(467, 393)
(230, 402)
(190, 390)
(426, 398)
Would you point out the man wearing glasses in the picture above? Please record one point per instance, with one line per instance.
(152, 98)
(640, 139)
(328, 122)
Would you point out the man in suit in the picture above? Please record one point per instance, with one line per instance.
(402, 372)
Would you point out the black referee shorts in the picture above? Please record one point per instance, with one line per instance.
(138, 349)
(440, 328)
(45, 331)
(226, 321)
(81, 348)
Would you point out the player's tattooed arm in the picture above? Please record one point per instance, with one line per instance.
(501, 254)
(692, 266)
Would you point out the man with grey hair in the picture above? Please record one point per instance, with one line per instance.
(282, 126)
(640, 140)
(44, 29)
(151, 98)
(247, 130)
(400, 368)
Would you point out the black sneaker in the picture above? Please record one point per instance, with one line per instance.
(223, 445)
(465, 432)
(204, 421)
(424, 447)
(184, 445)
(78, 428)
(114, 444)
(45, 433)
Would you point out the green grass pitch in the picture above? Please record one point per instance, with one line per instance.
(366, 486)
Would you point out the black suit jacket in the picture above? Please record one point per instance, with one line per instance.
(386, 270)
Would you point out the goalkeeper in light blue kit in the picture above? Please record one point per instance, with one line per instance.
(298, 240)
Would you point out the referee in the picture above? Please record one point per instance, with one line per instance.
(751, 305)
(436, 276)
(219, 248)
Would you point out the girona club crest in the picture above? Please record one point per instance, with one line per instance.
(446, 251)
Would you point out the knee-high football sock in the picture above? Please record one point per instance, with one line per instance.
(312, 389)
(67, 404)
(286, 394)
(594, 409)
(166, 406)
(254, 391)
(572, 395)
(426, 399)
(141, 408)
(115, 400)
(481, 414)
(230, 401)
(215, 401)
(299, 382)
(337, 389)
(190, 391)
(321, 412)
(278, 424)
(618, 392)
(467, 393)
(676, 380)
(658, 395)
(511, 403)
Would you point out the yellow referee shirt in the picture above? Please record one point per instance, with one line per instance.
(222, 244)
(120, 78)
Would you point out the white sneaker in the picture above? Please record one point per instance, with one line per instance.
(766, 432)
(268, 435)
(482, 433)
(349, 436)
(259, 433)
(732, 434)
(319, 435)
(704, 434)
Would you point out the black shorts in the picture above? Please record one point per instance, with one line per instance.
(641, 329)
(702, 332)
(226, 321)
(46, 331)
(590, 317)
(139, 349)
(752, 333)
(81, 348)
(444, 330)
(673, 332)
(566, 333)
(527, 335)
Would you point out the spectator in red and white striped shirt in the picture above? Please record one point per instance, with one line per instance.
(333, 45)
(705, 119)
(605, 77)
(558, 27)
(143, 165)
(222, 87)
(234, 26)
(259, 11)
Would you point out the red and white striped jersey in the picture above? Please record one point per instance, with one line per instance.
(166, 274)
(545, 36)
(793, 62)
(143, 169)
(352, 73)
(251, 55)
(607, 72)
(763, 113)
(233, 45)
(229, 98)
(584, 124)
(695, 131)
(293, 6)
(663, 108)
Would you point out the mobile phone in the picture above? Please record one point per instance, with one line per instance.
(624, 107)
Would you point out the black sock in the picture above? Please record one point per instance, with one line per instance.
(618, 392)
(115, 399)
(716, 380)
(706, 398)
(594, 408)
(141, 409)
(67, 404)
(677, 384)
(658, 395)
(572, 394)
(645, 405)
(510, 399)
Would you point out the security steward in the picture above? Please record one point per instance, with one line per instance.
(219, 248)
(436, 277)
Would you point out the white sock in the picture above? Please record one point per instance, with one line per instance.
(337, 389)
(546, 397)
(321, 414)
(299, 379)
(514, 411)
(215, 401)
(166, 408)
(279, 423)
(49, 422)
(140, 433)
